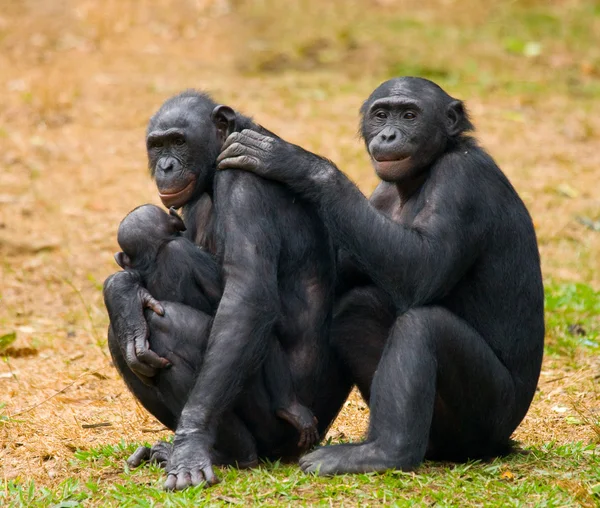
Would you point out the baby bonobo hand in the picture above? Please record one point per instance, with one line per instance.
(302, 419)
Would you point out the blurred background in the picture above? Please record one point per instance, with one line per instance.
(80, 78)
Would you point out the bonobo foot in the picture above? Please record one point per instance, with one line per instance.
(302, 419)
(190, 463)
(159, 454)
(354, 458)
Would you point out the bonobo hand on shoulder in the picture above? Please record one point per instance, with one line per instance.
(275, 159)
(125, 299)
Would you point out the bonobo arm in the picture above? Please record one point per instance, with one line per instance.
(241, 331)
(125, 299)
(349, 274)
(414, 263)
(207, 275)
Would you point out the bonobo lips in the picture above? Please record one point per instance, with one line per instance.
(385, 164)
(179, 197)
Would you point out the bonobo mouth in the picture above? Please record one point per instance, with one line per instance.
(384, 164)
(178, 198)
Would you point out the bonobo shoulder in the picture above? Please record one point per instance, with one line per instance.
(242, 192)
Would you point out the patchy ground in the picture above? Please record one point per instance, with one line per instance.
(81, 78)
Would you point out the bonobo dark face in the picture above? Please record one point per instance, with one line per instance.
(182, 148)
(407, 123)
(143, 231)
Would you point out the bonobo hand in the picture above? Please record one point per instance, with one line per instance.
(190, 462)
(125, 299)
(272, 158)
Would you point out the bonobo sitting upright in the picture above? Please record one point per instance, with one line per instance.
(278, 266)
(173, 269)
(457, 296)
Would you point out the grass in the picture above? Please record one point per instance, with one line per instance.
(549, 475)
(572, 313)
(81, 81)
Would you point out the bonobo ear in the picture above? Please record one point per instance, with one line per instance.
(457, 119)
(176, 220)
(224, 119)
(123, 260)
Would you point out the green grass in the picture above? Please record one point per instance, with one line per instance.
(547, 476)
(572, 319)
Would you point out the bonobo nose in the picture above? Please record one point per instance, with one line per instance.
(166, 165)
(388, 134)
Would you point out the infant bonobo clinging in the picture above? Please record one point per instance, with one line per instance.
(171, 266)
(174, 269)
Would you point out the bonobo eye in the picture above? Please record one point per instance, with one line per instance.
(179, 141)
(156, 144)
(409, 115)
(381, 114)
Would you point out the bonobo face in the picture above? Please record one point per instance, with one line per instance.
(406, 125)
(182, 150)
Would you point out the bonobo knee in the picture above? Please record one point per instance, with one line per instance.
(422, 323)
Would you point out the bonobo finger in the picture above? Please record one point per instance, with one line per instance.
(237, 150)
(233, 151)
(302, 441)
(197, 477)
(209, 476)
(150, 358)
(144, 372)
(257, 135)
(234, 137)
(242, 162)
(170, 482)
(139, 456)
(149, 302)
(184, 480)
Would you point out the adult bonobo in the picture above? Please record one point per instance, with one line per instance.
(173, 268)
(452, 246)
(278, 269)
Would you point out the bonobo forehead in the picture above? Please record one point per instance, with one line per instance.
(418, 90)
(189, 109)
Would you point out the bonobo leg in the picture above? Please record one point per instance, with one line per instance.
(285, 403)
(362, 321)
(180, 336)
(437, 379)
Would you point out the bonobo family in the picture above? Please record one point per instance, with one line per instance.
(244, 325)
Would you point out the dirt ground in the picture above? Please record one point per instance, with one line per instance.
(79, 82)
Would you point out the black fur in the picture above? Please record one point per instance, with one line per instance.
(446, 342)
(278, 268)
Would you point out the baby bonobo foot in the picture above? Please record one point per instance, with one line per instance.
(302, 419)
(159, 454)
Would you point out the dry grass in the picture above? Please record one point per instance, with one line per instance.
(81, 78)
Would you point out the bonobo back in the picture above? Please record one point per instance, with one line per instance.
(292, 234)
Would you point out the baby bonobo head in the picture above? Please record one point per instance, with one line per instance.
(407, 124)
(143, 231)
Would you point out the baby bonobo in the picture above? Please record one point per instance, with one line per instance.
(174, 269)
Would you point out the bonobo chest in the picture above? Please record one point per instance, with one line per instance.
(387, 199)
